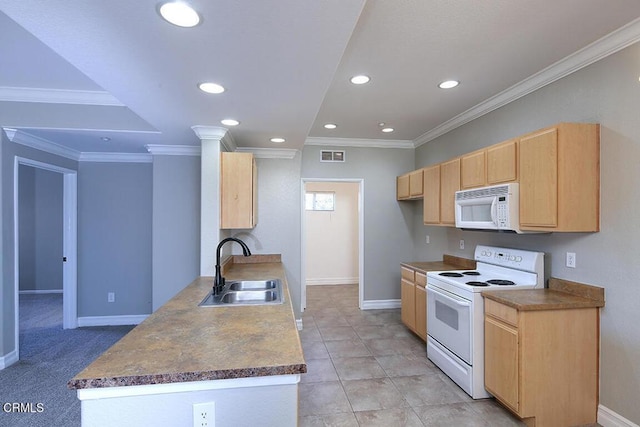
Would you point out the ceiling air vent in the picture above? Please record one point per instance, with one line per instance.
(331, 156)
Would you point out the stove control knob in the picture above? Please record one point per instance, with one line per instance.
(518, 258)
(512, 258)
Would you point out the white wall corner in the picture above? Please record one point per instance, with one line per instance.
(8, 360)
(609, 418)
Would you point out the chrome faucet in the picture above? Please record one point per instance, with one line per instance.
(218, 282)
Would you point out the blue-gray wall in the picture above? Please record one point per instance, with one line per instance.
(114, 238)
(176, 225)
(606, 92)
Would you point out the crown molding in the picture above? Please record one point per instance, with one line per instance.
(58, 96)
(269, 153)
(22, 138)
(173, 150)
(607, 45)
(116, 157)
(359, 142)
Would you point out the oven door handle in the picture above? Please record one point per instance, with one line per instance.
(454, 299)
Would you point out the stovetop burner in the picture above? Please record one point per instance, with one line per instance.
(501, 282)
(450, 274)
(476, 283)
(471, 273)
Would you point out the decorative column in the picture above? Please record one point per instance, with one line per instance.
(213, 140)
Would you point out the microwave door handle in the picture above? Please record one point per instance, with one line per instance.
(494, 211)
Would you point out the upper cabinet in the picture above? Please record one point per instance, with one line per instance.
(431, 200)
(238, 191)
(410, 186)
(449, 184)
(560, 178)
(502, 160)
(473, 169)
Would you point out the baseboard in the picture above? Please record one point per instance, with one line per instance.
(40, 291)
(8, 360)
(333, 281)
(380, 304)
(111, 320)
(608, 418)
(299, 324)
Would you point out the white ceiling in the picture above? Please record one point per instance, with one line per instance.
(75, 71)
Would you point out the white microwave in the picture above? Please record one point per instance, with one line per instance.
(489, 208)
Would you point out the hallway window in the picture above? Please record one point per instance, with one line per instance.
(320, 201)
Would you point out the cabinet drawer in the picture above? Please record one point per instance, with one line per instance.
(502, 312)
(421, 279)
(408, 274)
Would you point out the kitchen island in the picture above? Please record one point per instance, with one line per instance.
(246, 360)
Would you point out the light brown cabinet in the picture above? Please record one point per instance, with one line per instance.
(559, 170)
(410, 186)
(431, 199)
(449, 184)
(502, 160)
(238, 191)
(413, 308)
(473, 169)
(543, 364)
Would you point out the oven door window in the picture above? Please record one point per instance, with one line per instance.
(449, 322)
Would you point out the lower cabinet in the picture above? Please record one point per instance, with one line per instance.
(543, 364)
(413, 308)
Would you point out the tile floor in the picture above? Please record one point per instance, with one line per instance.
(366, 369)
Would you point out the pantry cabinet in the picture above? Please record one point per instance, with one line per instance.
(238, 191)
(449, 184)
(543, 364)
(559, 170)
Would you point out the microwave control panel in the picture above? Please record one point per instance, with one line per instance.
(502, 215)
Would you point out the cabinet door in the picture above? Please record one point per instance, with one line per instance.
(539, 179)
(237, 190)
(408, 304)
(431, 198)
(416, 183)
(449, 184)
(501, 162)
(473, 170)
(501, 361)
(421, 312)
(402, 187)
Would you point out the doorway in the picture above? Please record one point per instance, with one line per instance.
(332, 234)
(69, 241)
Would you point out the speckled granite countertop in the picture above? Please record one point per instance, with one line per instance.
(561, 294)
(449, 262)
(184, 342)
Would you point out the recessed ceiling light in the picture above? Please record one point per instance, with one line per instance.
(387, 130)
(277, 140)
(230, 122)
(330, 126)
(360, 79)
(179, 13)
(448, 84)
(211, 87)
(105, 138)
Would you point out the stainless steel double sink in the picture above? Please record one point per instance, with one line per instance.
(246, 292)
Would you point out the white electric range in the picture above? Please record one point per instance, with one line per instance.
(455, 310)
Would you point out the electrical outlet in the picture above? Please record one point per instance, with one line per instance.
(427, 239)
(204, 414)
(111, 297)
(571, 259)
(461, 244)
